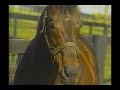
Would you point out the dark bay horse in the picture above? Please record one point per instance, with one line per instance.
(58, 55)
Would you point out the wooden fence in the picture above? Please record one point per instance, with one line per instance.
(18, 46)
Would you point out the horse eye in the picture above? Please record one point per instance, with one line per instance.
(50, 19)
(51, 25)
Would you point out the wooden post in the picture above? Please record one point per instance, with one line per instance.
(99, 44)
(15, 26)
(90, 31)
(105, 31)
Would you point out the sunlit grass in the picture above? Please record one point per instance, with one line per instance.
(85, 30)
(23, 11)
(25, 29)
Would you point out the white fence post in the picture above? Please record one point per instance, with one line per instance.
(99, 44)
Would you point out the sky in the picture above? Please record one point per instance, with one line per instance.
(91, 9)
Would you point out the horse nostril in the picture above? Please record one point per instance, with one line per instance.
(71, 71)
(67, 70)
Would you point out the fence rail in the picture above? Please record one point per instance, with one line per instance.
(17, 16)
(35, 18)
(19, 46)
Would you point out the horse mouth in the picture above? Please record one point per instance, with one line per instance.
(64, 75)
(65, 79)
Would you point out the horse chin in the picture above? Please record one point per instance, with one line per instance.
(64, 80)
(63, 75)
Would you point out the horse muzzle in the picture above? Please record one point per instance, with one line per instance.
(69, 74)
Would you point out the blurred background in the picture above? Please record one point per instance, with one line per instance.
(23, 19)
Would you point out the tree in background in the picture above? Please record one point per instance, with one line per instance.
(104, 17)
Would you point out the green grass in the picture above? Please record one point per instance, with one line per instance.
(95, 31)
(25, 29)
(22, 10)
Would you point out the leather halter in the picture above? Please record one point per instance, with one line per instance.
(55, 51)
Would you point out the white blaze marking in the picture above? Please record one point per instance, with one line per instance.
(67, 19)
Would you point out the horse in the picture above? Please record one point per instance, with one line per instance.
(58, 54)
